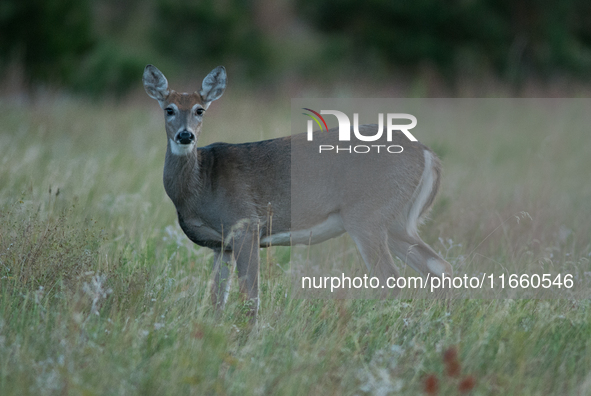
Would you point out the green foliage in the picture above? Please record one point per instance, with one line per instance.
(108, 69)
(56, 43)
(211, 30)
(508, 37)
(83, 46)
(100, 47)
(49, 37)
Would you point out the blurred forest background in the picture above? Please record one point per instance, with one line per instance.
(430, 47)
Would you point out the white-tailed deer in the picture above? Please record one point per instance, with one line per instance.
(223, 194)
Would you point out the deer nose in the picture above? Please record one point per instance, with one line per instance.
(185, 137)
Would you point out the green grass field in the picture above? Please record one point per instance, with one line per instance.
(102, 294)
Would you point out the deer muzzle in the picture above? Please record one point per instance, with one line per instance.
(185, 137)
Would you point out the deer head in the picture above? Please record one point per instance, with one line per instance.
(183, 112)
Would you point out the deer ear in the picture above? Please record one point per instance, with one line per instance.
(213, 85)
(155, 83)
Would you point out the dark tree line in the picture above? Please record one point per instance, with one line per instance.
(66, 42)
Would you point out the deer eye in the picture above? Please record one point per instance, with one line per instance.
(199, 111)
(169, 111)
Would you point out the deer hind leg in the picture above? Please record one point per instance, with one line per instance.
(411, 249)
(223, 266)
(404, 240)
(373, 248)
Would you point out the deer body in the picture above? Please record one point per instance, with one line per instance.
(208, 200)
(235, 198)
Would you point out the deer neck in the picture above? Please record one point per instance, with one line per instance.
(181, 177)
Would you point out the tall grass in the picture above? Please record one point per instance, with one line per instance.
(102, 294)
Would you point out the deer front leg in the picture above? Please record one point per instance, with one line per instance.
(223, 266)
(246, 251)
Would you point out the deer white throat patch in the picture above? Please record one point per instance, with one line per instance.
(180, 149)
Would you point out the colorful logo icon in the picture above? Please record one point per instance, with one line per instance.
(316, 119)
